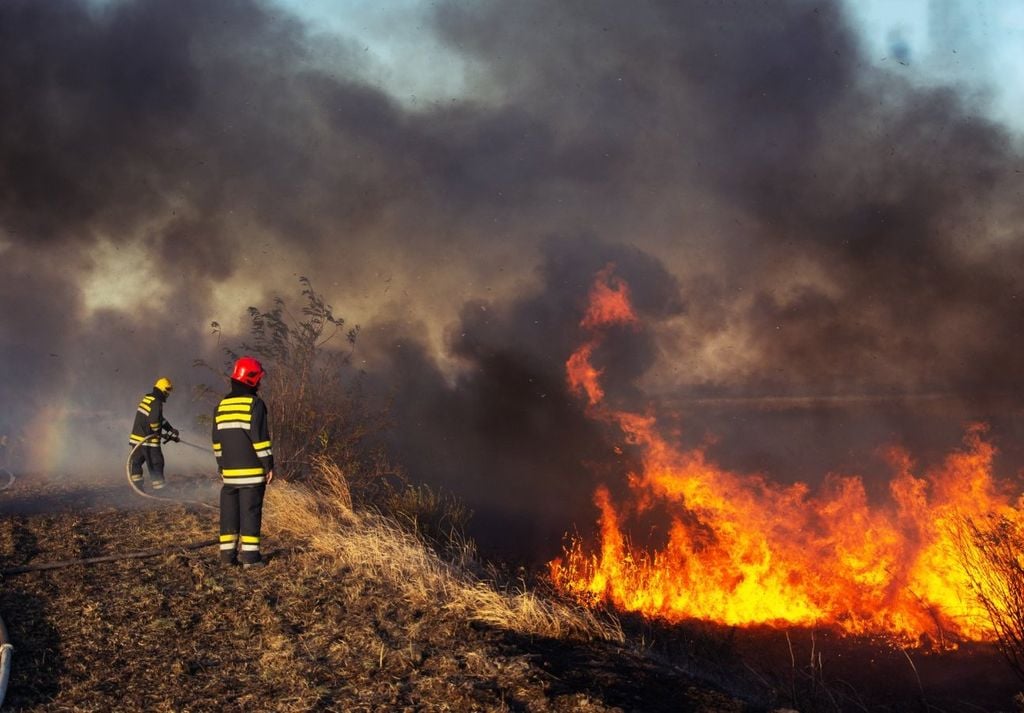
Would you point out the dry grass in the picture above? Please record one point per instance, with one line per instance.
(353, 613)
(377, 546)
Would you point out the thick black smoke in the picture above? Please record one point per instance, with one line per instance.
(873, 234)
(826, 255)
(507, 436)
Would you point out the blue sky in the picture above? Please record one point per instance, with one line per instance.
(979, 44)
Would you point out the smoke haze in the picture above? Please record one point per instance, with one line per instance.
(826, 258)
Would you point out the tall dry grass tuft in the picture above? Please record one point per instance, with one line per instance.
(378, 546)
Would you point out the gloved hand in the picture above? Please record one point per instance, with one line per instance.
(174, 435)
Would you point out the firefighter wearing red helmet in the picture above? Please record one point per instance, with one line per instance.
(147, 429)
(241, 443)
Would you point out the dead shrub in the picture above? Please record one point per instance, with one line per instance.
(991, 554)
(318, 408)
(325, 431)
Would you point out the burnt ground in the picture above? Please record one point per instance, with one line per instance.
(179, 632)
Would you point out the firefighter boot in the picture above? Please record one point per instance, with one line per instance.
(250, 555)
(228, 551)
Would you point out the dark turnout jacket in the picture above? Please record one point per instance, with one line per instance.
(149, 419)
(241, 437)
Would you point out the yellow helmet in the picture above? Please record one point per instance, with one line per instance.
(164, 384)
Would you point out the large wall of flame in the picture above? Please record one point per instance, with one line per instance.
(811, 238)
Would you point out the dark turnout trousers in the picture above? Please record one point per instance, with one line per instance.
(241, 513)
(153, 457)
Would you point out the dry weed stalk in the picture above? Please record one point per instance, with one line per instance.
(991, 555)
(377, 546)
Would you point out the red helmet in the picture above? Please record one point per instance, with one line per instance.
(248, 371)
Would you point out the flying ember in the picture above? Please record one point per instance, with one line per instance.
(743, 550)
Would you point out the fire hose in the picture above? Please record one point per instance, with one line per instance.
(10, 478)
(140, 491)
(6, 650)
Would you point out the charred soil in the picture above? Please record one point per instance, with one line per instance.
(181, 632)
(352, 615)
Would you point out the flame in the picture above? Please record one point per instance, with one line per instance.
(742, 550)
(609, 301)
(609, 305)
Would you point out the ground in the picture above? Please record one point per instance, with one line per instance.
(180, 632)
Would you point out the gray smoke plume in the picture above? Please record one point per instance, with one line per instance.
(826, 257)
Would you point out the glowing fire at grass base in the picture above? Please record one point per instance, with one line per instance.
(741, 550)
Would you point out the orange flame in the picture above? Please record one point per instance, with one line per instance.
(609, 305)
(609, 301)
(742, 550)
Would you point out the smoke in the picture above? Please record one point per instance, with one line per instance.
(827, 258)
(506, 435)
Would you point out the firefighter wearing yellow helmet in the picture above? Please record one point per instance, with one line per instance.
(149, 426)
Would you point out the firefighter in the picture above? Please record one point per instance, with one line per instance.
(241, 443)
(148, 428)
